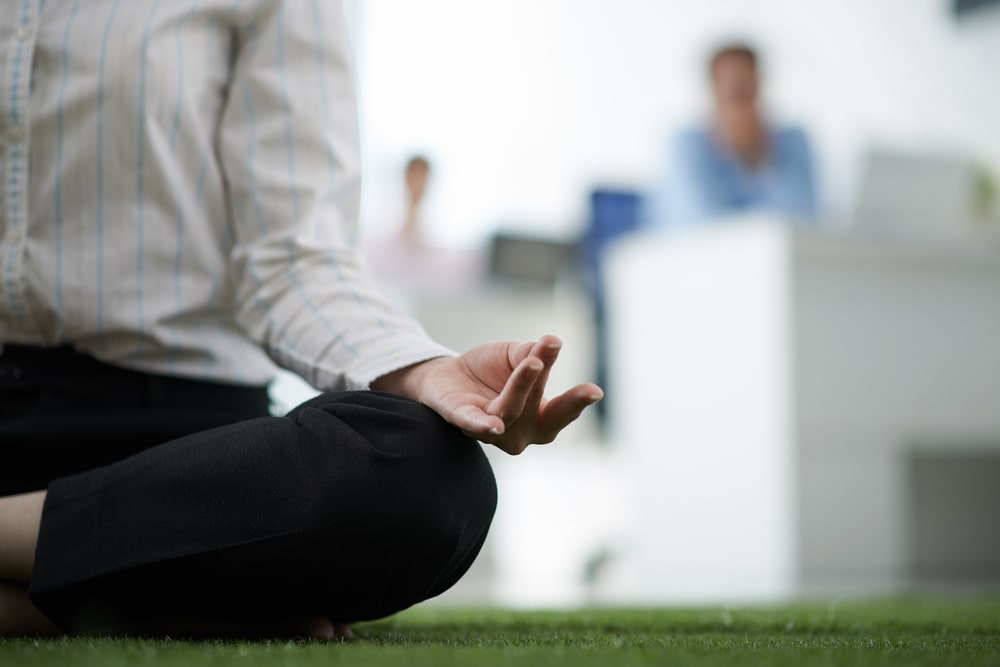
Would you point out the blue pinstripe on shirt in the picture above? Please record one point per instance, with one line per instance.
(140, 250)
(338, 336)
(60, 158)
(101, 83)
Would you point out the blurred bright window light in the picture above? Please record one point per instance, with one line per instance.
(525, 105)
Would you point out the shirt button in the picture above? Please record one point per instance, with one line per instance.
(25, 32)
(15, 134)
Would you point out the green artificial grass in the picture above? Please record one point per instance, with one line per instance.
(891, 632)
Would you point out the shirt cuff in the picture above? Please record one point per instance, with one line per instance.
(378, 362)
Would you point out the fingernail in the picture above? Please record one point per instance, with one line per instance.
(596, 397)
(496, 430)
(536, 366)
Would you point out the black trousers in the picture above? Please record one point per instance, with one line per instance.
(354, 506)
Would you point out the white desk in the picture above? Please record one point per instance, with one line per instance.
(770, 388)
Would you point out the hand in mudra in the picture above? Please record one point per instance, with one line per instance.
(495, 392)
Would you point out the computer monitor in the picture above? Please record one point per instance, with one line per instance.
(528, 261)
(917, 195)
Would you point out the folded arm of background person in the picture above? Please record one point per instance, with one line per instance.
(704, 180)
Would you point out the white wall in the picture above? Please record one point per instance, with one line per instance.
(524, 104)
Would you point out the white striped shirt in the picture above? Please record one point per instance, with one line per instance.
(179, 191)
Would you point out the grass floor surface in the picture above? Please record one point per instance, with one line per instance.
(896, 632)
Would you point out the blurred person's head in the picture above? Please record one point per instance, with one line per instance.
(735, 81)
(417, 172)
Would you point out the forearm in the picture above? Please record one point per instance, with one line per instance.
(318, 313)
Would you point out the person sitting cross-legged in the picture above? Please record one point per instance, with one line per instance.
(179, 199)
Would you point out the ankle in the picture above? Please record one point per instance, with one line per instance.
(20, 518)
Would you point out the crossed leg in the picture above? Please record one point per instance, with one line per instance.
(352, 507)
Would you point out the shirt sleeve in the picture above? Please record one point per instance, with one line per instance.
(795, 191)
(288, 144)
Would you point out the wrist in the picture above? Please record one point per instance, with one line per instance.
(409, 380)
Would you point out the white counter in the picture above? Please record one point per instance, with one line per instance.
(771, 387)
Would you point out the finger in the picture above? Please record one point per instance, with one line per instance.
(510, 404)
(522, 394)
(518, 352)
(547, 349)
(564, 409)
(511, 442)
(475, 422)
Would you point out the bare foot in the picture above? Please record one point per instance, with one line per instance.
(194, 627)
(322, 627)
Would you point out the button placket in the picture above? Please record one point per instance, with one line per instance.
(14, 153)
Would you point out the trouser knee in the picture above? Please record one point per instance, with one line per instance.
(418, 513)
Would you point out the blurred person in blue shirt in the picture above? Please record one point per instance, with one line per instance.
(737, 163)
